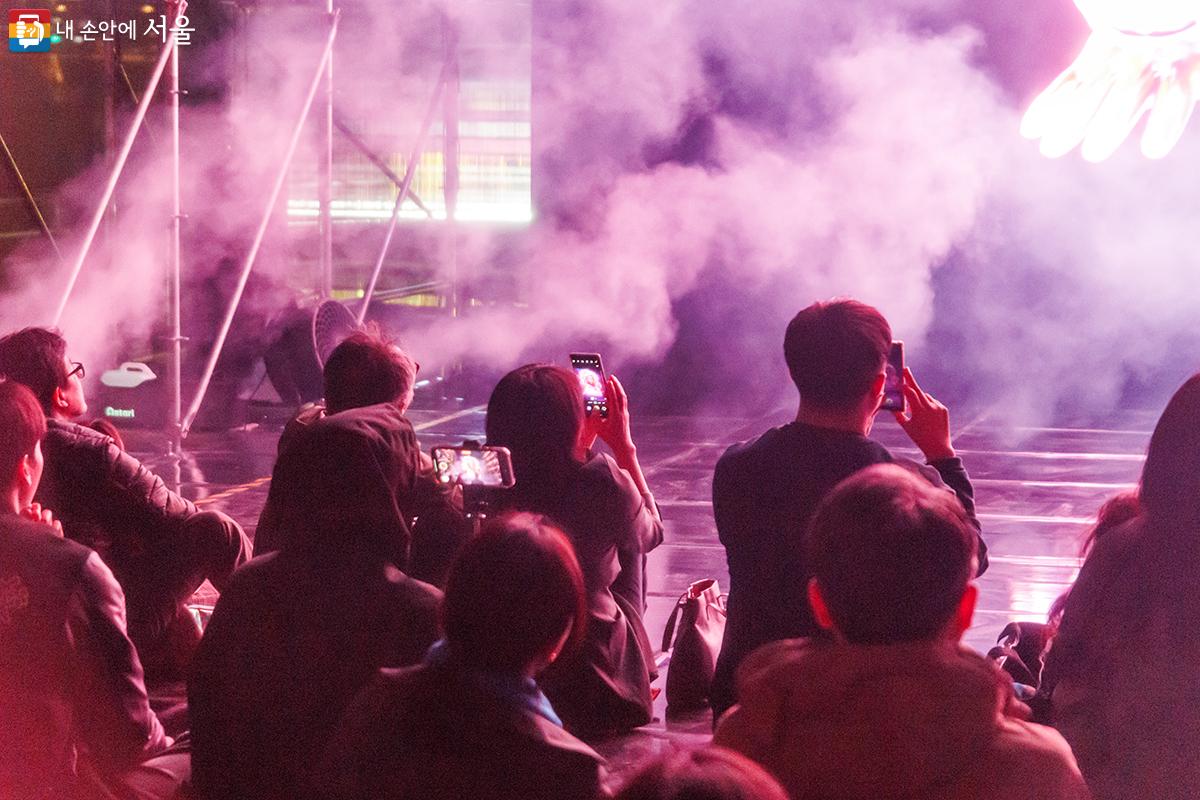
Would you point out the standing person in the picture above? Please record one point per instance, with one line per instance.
(469, 721)
(1123, 672)
(159, 545)
(765, 490)
(604, 506)
(894, 705)
(298, 632)
(75, 721)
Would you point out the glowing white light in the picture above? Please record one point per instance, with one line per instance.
(1142, 58)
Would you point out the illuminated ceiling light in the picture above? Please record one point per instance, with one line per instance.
(147, 9)
(1142, 59)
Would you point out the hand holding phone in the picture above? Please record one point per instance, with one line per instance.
(928, 421)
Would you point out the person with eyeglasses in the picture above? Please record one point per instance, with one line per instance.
(159, 546)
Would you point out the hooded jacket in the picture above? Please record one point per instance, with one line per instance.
(898, 721)
(297, 633)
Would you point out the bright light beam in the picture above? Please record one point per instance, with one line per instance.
(1142, 59)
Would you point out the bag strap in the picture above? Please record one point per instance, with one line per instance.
(669, 630)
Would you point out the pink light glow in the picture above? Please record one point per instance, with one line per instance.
(1142, 58)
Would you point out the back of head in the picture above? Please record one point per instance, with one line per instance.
(511, 595)
(1170, 490)
(35, 357)
(367, 369)
(536, 411)
(892, 556)
(22, 426)
(834, 350)
(335, 486)
(710, 774)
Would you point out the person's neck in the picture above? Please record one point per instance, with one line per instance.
(852, 421)
(55, 414)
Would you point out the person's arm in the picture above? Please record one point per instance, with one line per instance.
(928, 425)
(135, 493)
(115, 719)
(617, 434)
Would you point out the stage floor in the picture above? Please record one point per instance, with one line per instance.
(1037, 490)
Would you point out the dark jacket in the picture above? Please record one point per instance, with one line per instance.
(430, 512)
(1124, 667)
(606, 685)
(439, 733)
(73, 707)
(104, 497)
(298, 633)
(921, 720)
(765, 492)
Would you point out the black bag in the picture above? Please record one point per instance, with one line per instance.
(697, 626)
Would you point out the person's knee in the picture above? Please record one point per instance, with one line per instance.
(222, 540)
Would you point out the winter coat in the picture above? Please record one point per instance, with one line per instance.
(929, 721)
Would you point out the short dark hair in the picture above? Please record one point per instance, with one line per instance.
(366, 369)
(34, 357)
(712, 773)
(834, 350)
(892, 556)
(512, 592)
(536, 411)
(22, 425)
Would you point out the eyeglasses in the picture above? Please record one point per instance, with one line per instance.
(77, 370)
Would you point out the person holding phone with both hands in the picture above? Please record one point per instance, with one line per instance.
(604, 505)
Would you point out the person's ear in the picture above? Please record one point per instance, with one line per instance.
(27, 470)
(60, 401)
(961, 622)
(819, 609)
(877, 385)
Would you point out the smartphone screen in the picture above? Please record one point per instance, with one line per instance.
(893, 384)
(590, 372)
(489, 466)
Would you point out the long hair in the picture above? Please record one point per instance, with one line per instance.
(1170, 489)
(536, 411)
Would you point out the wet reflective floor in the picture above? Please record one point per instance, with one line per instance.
(1037, 490)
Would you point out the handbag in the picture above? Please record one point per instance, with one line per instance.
(694, 633)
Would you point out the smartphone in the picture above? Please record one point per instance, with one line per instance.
(474, 466)
(590, 371)
(893, 383)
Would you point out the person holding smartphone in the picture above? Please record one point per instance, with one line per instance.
(603, 504)
(766, 490)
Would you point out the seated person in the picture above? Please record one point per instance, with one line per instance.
(765, 490)
(605, 508)
(1124, 667)
(470, 722)
(364, 370)
(895, 705)
(159, 545)
(298, 632)
(74, 717)
(712, 773)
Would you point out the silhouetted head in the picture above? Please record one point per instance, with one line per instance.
(1170, 489)
(892, 559)
(366, 369)
(713, 773)
(515, 596)
(536, 411)
(835, 352)
(22, 426)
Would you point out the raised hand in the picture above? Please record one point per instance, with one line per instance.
(928, 421)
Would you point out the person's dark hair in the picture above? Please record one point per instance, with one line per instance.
(512, 593)
(34, 357)
(713, 773)
(22, 425)
(1170, 488)
(834, 350)
(536, 411)
(1116, 511)
(892, 556)
(366, 369)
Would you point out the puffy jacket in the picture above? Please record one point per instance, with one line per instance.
(903, 721)
(73, 707)
(104, 497)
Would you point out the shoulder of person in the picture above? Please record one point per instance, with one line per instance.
(34, 540)
(1037, 758)
(72, 435)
